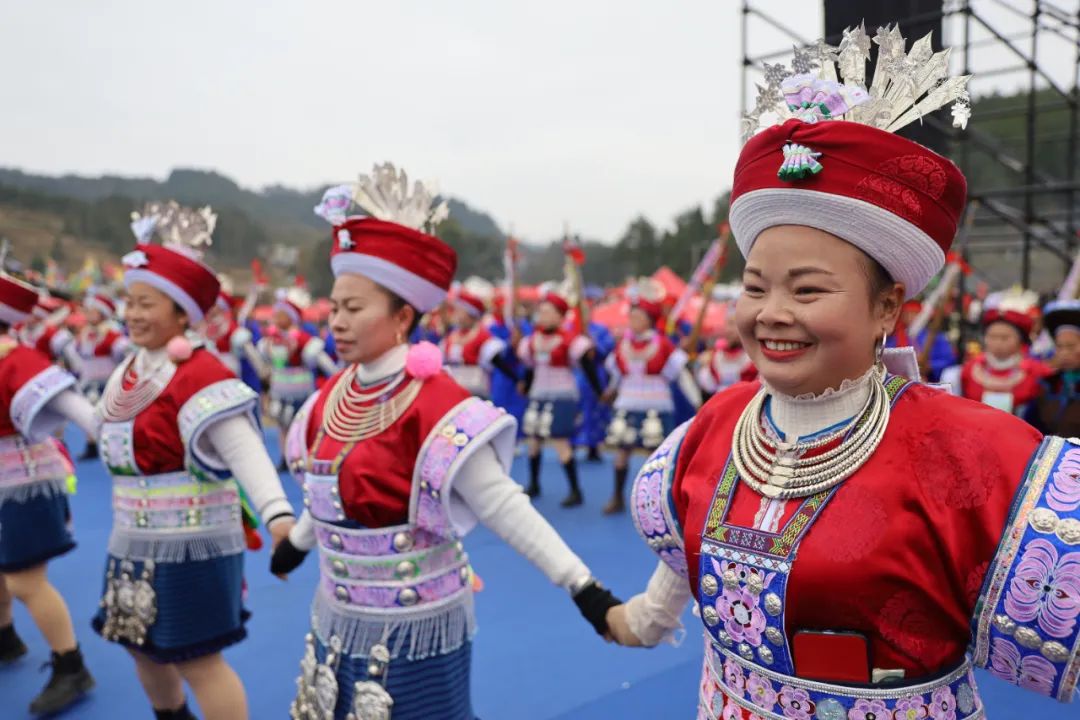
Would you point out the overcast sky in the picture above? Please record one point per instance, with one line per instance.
(585, 111)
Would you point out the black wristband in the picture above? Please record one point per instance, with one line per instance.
(286, 558)
(594, 601)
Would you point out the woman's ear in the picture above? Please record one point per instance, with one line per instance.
(889, 304)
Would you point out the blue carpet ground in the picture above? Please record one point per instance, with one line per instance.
(534, 657)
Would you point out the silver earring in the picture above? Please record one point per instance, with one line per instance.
(879, 348)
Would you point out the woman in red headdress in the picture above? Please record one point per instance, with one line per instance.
(642, 368)
(398, 463)
(471, 351)
(35, 397)
(856, 540)
(181, 439)
(1005, 375)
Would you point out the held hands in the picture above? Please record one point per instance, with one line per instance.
(619, 627)
(286, 556)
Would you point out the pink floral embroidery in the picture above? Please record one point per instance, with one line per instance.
(1046, 589)
(761, 691)
(943, 704)
(1031, 672)
(742, 616)
(912, 707)
(870, 710)
(439, 456)
(795, 703)
(1064, 492)
(649, 514)
(436, 589)
(733, 676)
(476, 418)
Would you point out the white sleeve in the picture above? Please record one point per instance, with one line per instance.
(501, 505)
(302, 535)
(77, 409)
(654, 615)
(241, 448)
(689, 388)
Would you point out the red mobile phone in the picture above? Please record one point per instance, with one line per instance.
(832, 656)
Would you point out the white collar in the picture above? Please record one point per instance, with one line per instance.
(804, 415)
(387, 365)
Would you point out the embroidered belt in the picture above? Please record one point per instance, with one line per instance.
(22, 462)
(774, 696)
(173, 501)
(399, 567)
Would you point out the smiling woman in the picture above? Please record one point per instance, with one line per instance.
(848, 532)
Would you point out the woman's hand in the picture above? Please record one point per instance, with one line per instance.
(619, 627)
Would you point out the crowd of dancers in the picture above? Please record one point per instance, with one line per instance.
(933, 534)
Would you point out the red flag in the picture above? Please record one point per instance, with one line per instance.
(573, 250)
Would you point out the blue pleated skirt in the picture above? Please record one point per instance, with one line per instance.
(34, 531)
(435, 687)
(199, 608)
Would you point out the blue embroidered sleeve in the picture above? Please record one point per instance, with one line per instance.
(653, 508)
(1027, 620)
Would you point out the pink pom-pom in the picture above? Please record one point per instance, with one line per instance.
(423, 361)
(179, 349)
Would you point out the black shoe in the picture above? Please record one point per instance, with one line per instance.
(594, 455)
(283, 466)
(11, 645)
(70, 681)
(182, 714)
(90, 453)
(573, 499)
(533, 490)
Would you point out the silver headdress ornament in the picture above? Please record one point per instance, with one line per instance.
(829, 83)
(385, 195)
(186, 230)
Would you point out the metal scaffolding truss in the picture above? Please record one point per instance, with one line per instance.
(1026, 228)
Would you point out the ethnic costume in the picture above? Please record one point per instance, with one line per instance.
(724, 366)
(1057, 408)
(94, 351)
(1011, 383)
(294, 357)
(471, 355)
(827, 588)
(43, 329)
(398, 463)
(234, 344)
(180, 439)
(35, 398)
(643, 369)
(550, 354)
(941, 354)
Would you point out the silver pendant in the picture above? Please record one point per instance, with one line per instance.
(130, 605)
(371, 700)
(317, 686)
(547, 418)
(530, 420)
(652, 430)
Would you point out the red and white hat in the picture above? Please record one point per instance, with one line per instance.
(834, 164)
(282, 303)
(1016, 307)
(470, 303)
(102, 303)
(388, 246)
(557, 301)
(648, 295)
(175, 267)
(17, 300)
